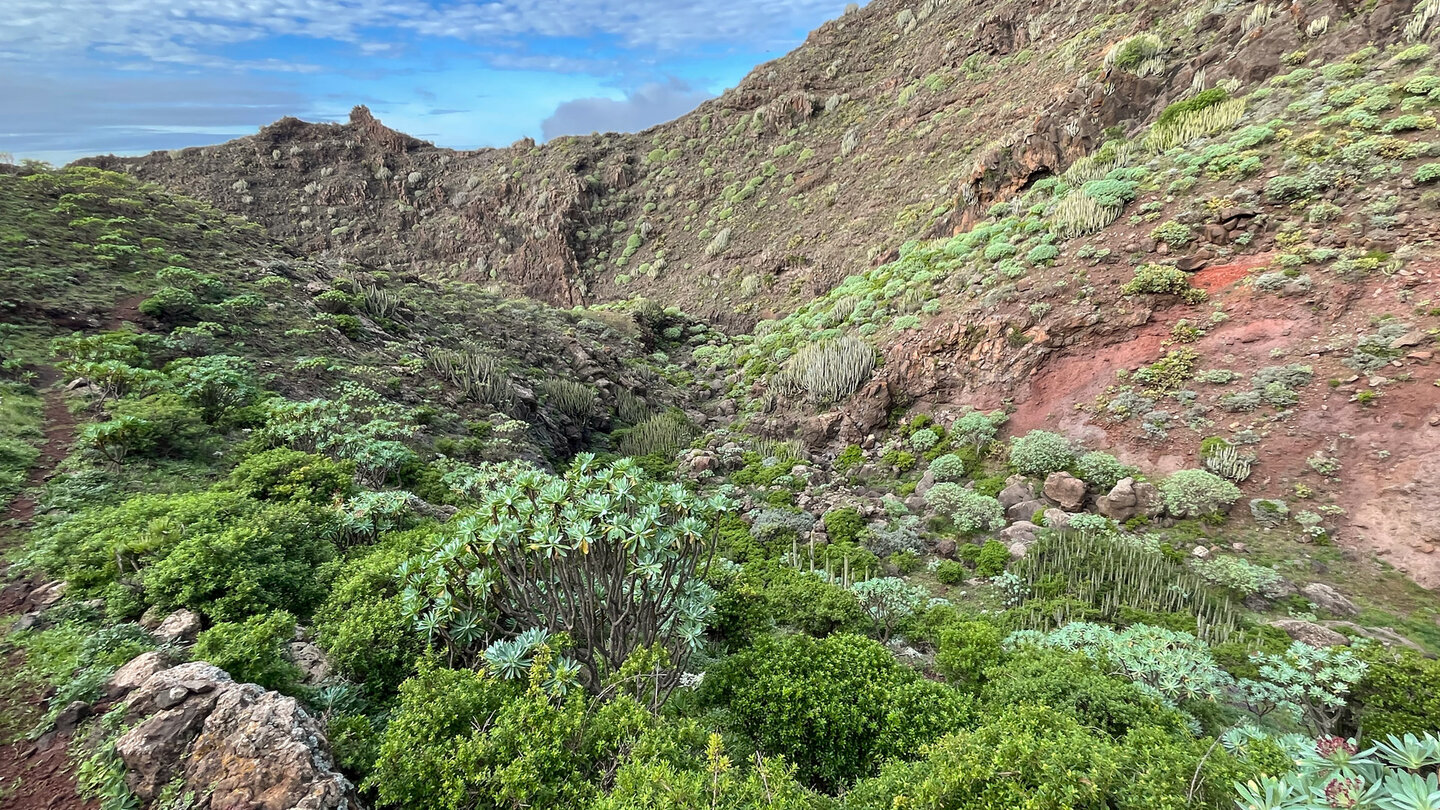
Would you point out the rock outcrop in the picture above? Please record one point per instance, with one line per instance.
(235, 745)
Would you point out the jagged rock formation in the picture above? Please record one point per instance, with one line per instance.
(232, 745)
(895, 121)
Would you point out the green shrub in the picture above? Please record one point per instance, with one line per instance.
(1073, 683)
(948, 468)
(1197, 493)
(86, 550)
(966, 651)
(266, 562)
(252, 651)
(1428, 173)
(461, 739)
(1160, 279)
(160, 426)
(924, 439)
(1042, 254)
(1195, 103)
(844, 525)
(994, 556)
(171, 304)
(950, 572)
(290, 475)
(1102, 470)
(1040, 452)
(1396, 695)
(1174, 234)
(363, 626)
(831, 706)
(977, 429)
(850, 458)
(1409, 123)
(967, 509)
(1064, 766)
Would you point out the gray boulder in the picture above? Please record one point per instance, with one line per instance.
(1269, 512)
(180, 627)
(1329, 600)
(236, 744)
(1025, 510)
(1065, 490)
(1017, 490)
(1311, 633)
(1130, 498)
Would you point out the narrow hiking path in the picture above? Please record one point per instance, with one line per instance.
(34, 774)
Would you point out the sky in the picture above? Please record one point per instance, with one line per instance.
(86, 77)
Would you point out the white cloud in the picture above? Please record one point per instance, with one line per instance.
(645, 107)
(192, 31)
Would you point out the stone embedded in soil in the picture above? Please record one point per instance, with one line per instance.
(1310, 633)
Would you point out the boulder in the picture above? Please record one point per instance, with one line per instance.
(1329, 600)
(310, 659)
(130, 677)
(1065, 490)
(260, 750)
(1384, 635)
(1310, 633)
(946, 549)
(47, 595)
(1129, 498)
(236, 743)
(1025, 510)
(1022, 532)
(1269, 512)
(925, 483)
(180, 627)
(1017, 490)
(1056, 519)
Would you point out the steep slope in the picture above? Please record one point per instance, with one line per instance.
(895, 121)
(89, 252)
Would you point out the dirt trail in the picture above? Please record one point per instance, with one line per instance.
(34, 776)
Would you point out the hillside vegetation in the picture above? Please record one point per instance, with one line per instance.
(872, 437)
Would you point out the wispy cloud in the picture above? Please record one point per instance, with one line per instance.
(645, 107)
(84, 76)
(194, 31)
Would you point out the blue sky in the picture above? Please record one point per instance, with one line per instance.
(82, 77)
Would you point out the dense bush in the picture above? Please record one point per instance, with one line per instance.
(966, 651)
(832, 707)
(268, 561)
(1197, 493)
(993, 558)
(253, 650)
(1102, 470)
(1038, 757)
(948, 468)
(88, 551)
(967, 509)
(1040, 452)
(291, 475)
(1396, 695)
(950, 572)
(464, 739)
(844, 525)
(363, 625)
(768, 594)
(1076, 685)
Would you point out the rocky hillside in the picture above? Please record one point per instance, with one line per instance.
(892, 122)
(1095, 426)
